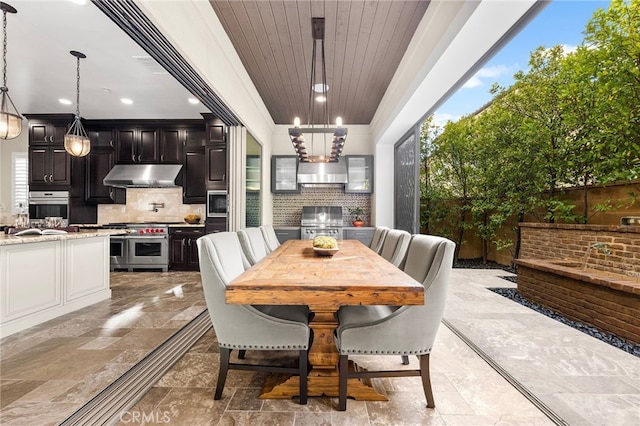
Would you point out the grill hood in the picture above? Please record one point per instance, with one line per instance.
(144, 176)
(322, 173)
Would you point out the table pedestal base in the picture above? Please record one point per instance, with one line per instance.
(280, 386)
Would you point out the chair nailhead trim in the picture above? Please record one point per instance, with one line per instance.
(261, 347)
(360, 351)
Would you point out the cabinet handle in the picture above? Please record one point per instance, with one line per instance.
(133, 158)
(50, 178)
(139, 158)
(111, 143)
(111, 194)
(161, 157)
(52, 139)
(44, 178)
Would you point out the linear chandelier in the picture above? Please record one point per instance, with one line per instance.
(323, 134)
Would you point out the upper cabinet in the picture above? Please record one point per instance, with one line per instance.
(359, 174)
(284, 174)
(138, 145)
(215, 154)
(49, 163)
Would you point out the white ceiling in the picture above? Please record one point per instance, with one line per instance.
(40, 69)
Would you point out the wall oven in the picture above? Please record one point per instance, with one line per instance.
(44, 204)
(217, 203)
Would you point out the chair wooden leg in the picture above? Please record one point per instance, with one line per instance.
(303, 366)
(426, 380)
(405, 359)
(241, 353)
(225, 354)
(343, 367)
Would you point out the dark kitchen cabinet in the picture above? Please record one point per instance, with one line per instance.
(48, 129)
(99, 162)
(215, 154)
(284, 174)
(138, 145)
(49, 164)
(172, 142)
(359, 174)
(194, 190)
(215, 224)
(183, 251)
(49, 168)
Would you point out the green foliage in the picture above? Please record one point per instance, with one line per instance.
(571, 120)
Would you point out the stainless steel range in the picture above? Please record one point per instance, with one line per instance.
(145, 246)
(320, 221)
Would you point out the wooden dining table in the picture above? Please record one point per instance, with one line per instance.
(295, 274)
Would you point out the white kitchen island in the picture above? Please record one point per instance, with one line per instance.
(43, 277)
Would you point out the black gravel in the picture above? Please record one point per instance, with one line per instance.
(512, 294)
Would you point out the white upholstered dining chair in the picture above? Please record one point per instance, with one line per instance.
(270, 237)
(394, 247)
(407, 330)
(253, 244)
(244, 327)
(378, 238)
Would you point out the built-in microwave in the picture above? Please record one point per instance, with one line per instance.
(43, 204)
(217, 203)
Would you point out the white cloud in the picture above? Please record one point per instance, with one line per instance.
(569, 48)
(487, 73)
(440, 119)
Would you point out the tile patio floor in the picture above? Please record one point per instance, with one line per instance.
(48, 371)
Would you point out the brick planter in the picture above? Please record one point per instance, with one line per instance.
(608, 301)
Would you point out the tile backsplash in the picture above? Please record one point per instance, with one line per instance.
(287, 208)
(140, 207)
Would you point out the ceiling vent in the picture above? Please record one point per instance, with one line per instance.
(149, 63)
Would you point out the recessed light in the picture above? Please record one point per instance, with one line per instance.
(194, 101)
(321, 98)
(106, 90)
(64, 101)
(320, 88)
(126, 101)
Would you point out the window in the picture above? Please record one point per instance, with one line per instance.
(20, 184)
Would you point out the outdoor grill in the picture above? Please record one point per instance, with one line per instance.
(321, 221)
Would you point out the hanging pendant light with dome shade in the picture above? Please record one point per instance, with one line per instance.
(76, 141)
(10, 120)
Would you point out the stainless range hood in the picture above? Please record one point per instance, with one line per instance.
(322, 173)
(144, 176)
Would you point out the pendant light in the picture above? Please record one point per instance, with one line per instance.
(10, 120)
(76, 141)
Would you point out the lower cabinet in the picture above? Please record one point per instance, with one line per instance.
(183, 250)
(364, 235)
(285, 234)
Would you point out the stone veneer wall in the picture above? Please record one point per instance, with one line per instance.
(287, 208)
(567, 241)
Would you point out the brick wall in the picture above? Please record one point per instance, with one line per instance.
(609, 309)
(564, 241)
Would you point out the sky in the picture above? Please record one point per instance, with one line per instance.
(561, 22)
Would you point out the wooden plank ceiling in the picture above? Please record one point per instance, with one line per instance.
(364, 43)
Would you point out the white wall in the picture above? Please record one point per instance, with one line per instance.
(19, 144)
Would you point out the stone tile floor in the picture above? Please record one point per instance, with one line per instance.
(48, 371)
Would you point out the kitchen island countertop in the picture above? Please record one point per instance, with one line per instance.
(13, 239)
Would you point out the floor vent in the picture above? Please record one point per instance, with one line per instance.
(124, 392)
